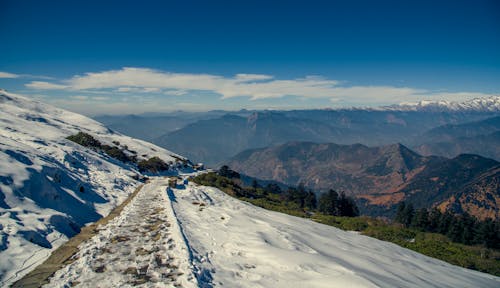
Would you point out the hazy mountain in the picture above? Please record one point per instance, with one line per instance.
(149, 126)
(450, 132)
(484, 145)
(215, 140)
(479, 137)
(380, 177)
(144, 127)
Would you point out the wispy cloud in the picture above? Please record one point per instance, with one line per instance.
(8, 75)
(252, 77)
(138, 89)
(42, 85)
(86, 98)
(4, 74)
(79, 97)
(254, 86)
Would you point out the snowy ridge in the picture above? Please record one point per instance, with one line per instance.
(50, 186)
(487, 104)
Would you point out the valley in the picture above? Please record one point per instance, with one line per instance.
(380, 177)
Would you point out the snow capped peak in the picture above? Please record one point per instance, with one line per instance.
(485, 104)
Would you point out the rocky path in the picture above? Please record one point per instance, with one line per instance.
(143, 246)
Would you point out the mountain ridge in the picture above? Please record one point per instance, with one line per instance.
(380, 177)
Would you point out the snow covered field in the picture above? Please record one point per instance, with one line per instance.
(235, 244)
(50, 186)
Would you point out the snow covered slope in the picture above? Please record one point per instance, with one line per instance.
(50, 186)
(235, 244)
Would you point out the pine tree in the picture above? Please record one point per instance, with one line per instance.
(346, 206)
(255, 184)
(405, 214)
(445, 222)
(455, 230)
(469, 224)
(421, 219)
(434, 220)
(273, 188)
(328, 203)
(310, 200)
(400, 212)
(224, 171)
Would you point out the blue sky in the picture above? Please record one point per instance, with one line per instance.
(100, 57)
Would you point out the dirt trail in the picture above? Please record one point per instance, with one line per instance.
(142, 246)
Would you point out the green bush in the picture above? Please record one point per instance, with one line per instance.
(153, 165)
(85, 139)
(116, 153)
(344, 223)
(391, 233)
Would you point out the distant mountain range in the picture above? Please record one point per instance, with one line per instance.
(149, 127)
(487, 104)
(485, 145)
(381, 177)
(480, 137)
(215, 136)
(451, 132)
(215, 140)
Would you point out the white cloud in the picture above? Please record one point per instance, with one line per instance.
(138, 90)
(12, 75)
(100, 98)
(252, 77)
(175, 92)
(41, 85)
(80, 97)
(124, 89)
(8, 75)
(255, 86)
(89, 98)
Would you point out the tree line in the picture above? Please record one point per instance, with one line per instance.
(329, 203)
(462, 228)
